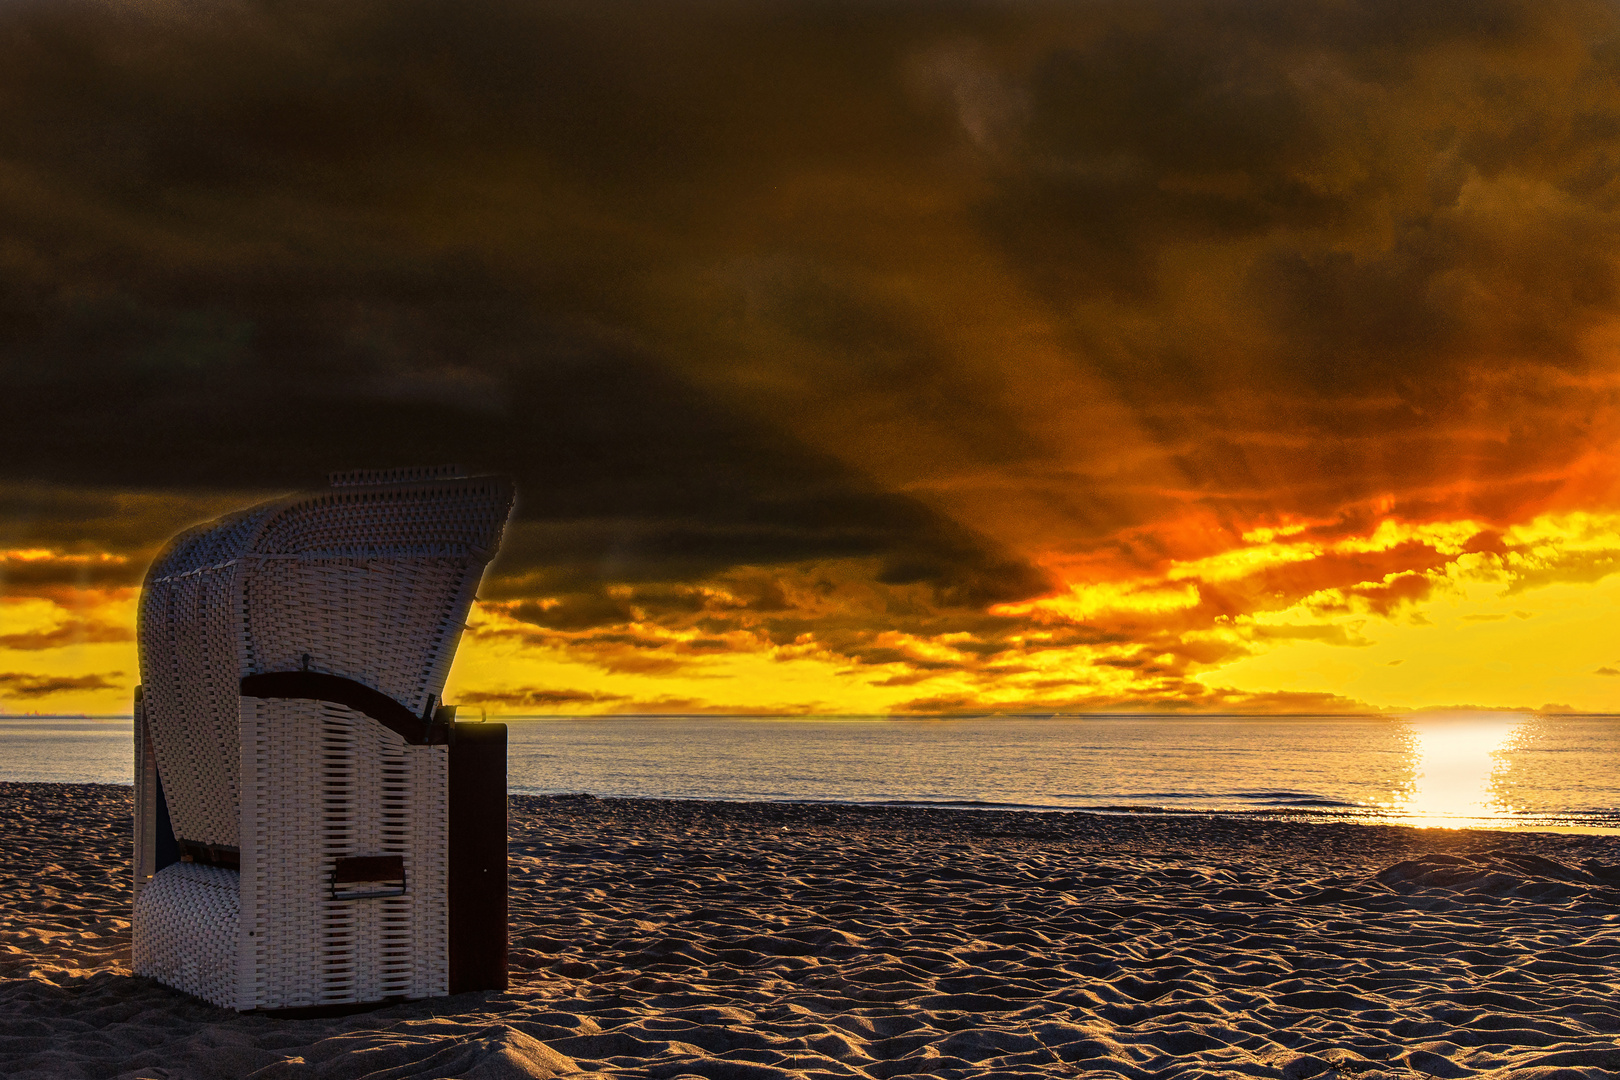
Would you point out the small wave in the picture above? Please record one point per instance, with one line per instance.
(1321, 801)
(1287, 798)
(945, 804)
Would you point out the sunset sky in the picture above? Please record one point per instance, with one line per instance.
(931, 357)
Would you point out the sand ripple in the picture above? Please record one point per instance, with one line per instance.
(753, 942)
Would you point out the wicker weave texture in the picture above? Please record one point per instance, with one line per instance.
(385, 623)
(189, 674)
(190, 638)
(185, 931)
(363, 791)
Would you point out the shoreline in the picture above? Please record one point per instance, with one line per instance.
(766, 941)
(1302, 814)
(1297, 815)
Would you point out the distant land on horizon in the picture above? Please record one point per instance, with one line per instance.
(1390, 714)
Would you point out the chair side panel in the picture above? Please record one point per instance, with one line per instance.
(190, 675)
(478, 877)
(323, 782)
(145, 802)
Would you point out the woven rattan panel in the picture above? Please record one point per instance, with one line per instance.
(372, 583)
(185, 931)
(392, 624)
(190, 636)
(325, 783)
(449, 517)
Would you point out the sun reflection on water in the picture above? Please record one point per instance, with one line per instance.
(1459, 766)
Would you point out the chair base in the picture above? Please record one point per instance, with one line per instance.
(185, 931)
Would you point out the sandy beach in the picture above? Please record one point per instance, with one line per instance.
(761, 941)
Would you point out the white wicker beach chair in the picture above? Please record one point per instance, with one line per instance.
(312, 829)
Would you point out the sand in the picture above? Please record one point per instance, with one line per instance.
(757, 941)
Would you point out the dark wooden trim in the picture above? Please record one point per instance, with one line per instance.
(166, 851)
(369, 868)
(319, 686)
(165, 848)
(359, 877)
(210, 854)
(478, 858)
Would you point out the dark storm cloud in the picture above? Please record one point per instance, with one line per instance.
(253, 242)
(99, 521)
(938, 289)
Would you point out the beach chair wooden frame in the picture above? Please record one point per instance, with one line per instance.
(312, 829)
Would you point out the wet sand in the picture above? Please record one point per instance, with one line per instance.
(761, 941)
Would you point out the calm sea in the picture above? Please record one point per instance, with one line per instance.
(1499, 770)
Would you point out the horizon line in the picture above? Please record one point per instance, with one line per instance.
(1390, 714)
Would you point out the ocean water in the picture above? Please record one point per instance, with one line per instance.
(1492, 769)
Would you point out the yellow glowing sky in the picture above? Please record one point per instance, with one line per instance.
(1526, 627)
